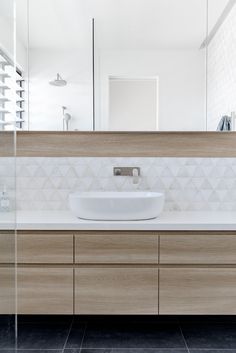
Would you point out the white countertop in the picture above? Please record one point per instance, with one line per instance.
(64, 220)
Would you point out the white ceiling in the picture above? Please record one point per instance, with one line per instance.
(120, 24)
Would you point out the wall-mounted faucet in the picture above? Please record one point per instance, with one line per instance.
(134, 172)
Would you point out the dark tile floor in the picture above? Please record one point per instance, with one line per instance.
(121, 334)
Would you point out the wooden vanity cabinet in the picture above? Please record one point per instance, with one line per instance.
(45, 272)
(45, 290)
(116, 275)
(45, 248)
(7, 272)
(197, 291)
(116, 290)
(7, 290)
(116, 248)
(198, 248)
(7, 247)
(197, 273)
(121, 272)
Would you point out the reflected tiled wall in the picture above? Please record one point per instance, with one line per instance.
(222, 72)
(188, 183)
(7, 178)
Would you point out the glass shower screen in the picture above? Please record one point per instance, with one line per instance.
(8, 117)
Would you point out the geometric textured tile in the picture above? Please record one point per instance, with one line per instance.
(189, 184)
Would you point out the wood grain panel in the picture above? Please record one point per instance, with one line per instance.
(45, 291)
(193, 248)
(120, 290)
(197, 291)
(7, 291)
(7, 146)
(7, 247)
(126, 144)
(44, 248)
(116, 247)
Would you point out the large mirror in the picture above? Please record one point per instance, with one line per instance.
(221, 65)
(140, 65)
(151, 68)
(56, 35)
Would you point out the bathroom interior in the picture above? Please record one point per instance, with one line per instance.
(118, 176)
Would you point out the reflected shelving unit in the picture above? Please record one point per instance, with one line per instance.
(11, 95)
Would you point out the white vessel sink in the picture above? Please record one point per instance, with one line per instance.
(116, 206)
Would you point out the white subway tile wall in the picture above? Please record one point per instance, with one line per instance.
(189, 184)
(222, 72)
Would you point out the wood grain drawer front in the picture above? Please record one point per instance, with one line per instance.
(7, 291)
(198, 249)
(45, 248)
(116, 291)
(45, 291)
(7, 248)
(197, 291)
(116, 248)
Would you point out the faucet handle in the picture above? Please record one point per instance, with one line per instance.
(135, 173)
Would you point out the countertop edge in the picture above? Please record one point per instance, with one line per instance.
(168, 221)
(69, 227)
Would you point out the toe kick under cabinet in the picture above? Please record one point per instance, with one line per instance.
(118, 272)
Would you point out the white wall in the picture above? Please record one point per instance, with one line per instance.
(46, 101)
(181, 84)
(133, 104)
(222, 72)
(7, 42)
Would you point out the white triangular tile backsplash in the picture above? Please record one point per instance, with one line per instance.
(189, 184)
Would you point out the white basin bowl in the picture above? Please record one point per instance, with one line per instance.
(116, 206)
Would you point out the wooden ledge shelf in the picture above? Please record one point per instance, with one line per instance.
(119, 144)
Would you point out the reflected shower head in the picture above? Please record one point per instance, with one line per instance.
(58, 82)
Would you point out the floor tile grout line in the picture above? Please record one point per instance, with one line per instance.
(119, 349)
(130, 348)
(92, 349)
(82, 341)
(64, 347)
(186, 346)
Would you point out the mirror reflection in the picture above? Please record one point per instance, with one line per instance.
(11, 82)
(148, 65)
(153, 50)
(56, 35)
(221, 69)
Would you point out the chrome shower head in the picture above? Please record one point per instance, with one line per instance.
(58, 82)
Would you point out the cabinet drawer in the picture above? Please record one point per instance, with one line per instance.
(117, 248)
(7, 291)
(45, 291)
(198, 249)
(116, 290)
(197, 291)
(45, 248)
(7, 247)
